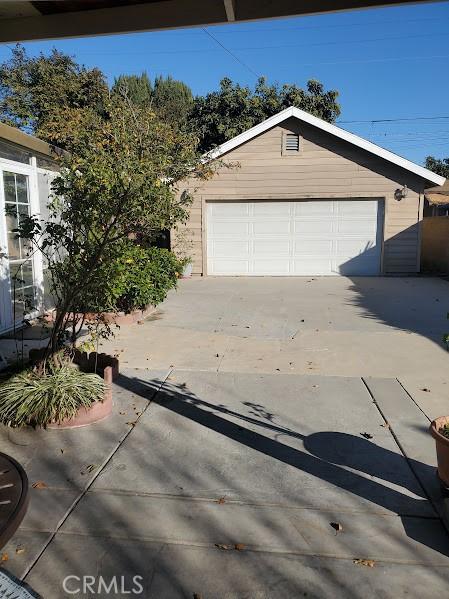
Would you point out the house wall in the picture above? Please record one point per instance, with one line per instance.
(435, 246)
(325, 167)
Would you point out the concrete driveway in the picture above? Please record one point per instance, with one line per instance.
(276, 445)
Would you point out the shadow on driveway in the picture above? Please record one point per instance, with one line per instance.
(330, 453)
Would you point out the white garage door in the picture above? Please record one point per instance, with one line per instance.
(317, 237)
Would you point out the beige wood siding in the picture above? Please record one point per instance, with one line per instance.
(325, 167)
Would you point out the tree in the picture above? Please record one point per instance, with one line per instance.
(138, 88)
(36, 91)
(172, 100)
(232, 109)
(440, 166)
(118, 181)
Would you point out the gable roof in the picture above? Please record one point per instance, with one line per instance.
(305, 117)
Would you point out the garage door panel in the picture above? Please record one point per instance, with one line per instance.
(312, 247)
(271, 247)
(231, 249)
(278, 209)
(229, 228)
(319, 207)
(357, 208)
(268, 266)
(309, 237)
(228, 209)
(228, 266)
(353, 247)
(274, 227)
(356, 227)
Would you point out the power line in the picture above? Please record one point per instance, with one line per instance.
(416, 118)
(248, 68)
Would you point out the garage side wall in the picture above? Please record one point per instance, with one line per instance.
(324, 167)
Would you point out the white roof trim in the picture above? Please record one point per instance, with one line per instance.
(329, 128)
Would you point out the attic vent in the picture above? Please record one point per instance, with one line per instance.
(291, 142)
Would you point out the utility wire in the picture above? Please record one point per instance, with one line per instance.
(248, 68)
(416, 118)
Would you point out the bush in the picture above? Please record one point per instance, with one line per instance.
(149, 274)
(138, 277)
(39, 398)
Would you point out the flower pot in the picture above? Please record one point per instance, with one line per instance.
(442, 448)
(105, 365)
(187, 271)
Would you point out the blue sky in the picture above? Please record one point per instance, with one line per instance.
(389, 63)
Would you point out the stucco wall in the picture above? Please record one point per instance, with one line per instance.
(325, 167)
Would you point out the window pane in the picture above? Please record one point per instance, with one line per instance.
(13, 246)
(9, 182)
(22, 188)
(27, 274)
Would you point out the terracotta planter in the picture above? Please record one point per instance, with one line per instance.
(442, 447)
(105, 366)
(118, 318)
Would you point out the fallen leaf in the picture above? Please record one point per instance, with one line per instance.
(336, 526)
(140, 322)
(369, 563)
(91, 467)
(223, 547)
(132, 423)
(4, 557)
(39, 485)
(385, 425)
(20, 549)
(239, 546)
(367, 435)
(221, 500)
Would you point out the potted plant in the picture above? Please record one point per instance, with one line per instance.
(66, 392)
(439, 429)
(187, 267)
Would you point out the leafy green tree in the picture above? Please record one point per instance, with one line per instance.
(117, 182)
(440, 166)
(172, 100)
(36, 91)
(232, 109)
(138, 88)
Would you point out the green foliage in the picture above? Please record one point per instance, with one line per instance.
(233, 109)
(138, 88)
(36, 398)
(440, 166)
(118, 181)
(149, 275)
(36, 92)
(138, 277)
(172, 100)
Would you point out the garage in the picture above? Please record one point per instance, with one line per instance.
(318, 237)
(298, 196)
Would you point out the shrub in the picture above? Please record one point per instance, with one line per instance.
(149, 274)
(138, 277)
(39, 398)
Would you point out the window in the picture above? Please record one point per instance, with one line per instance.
(17, 206)
(291, 143)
